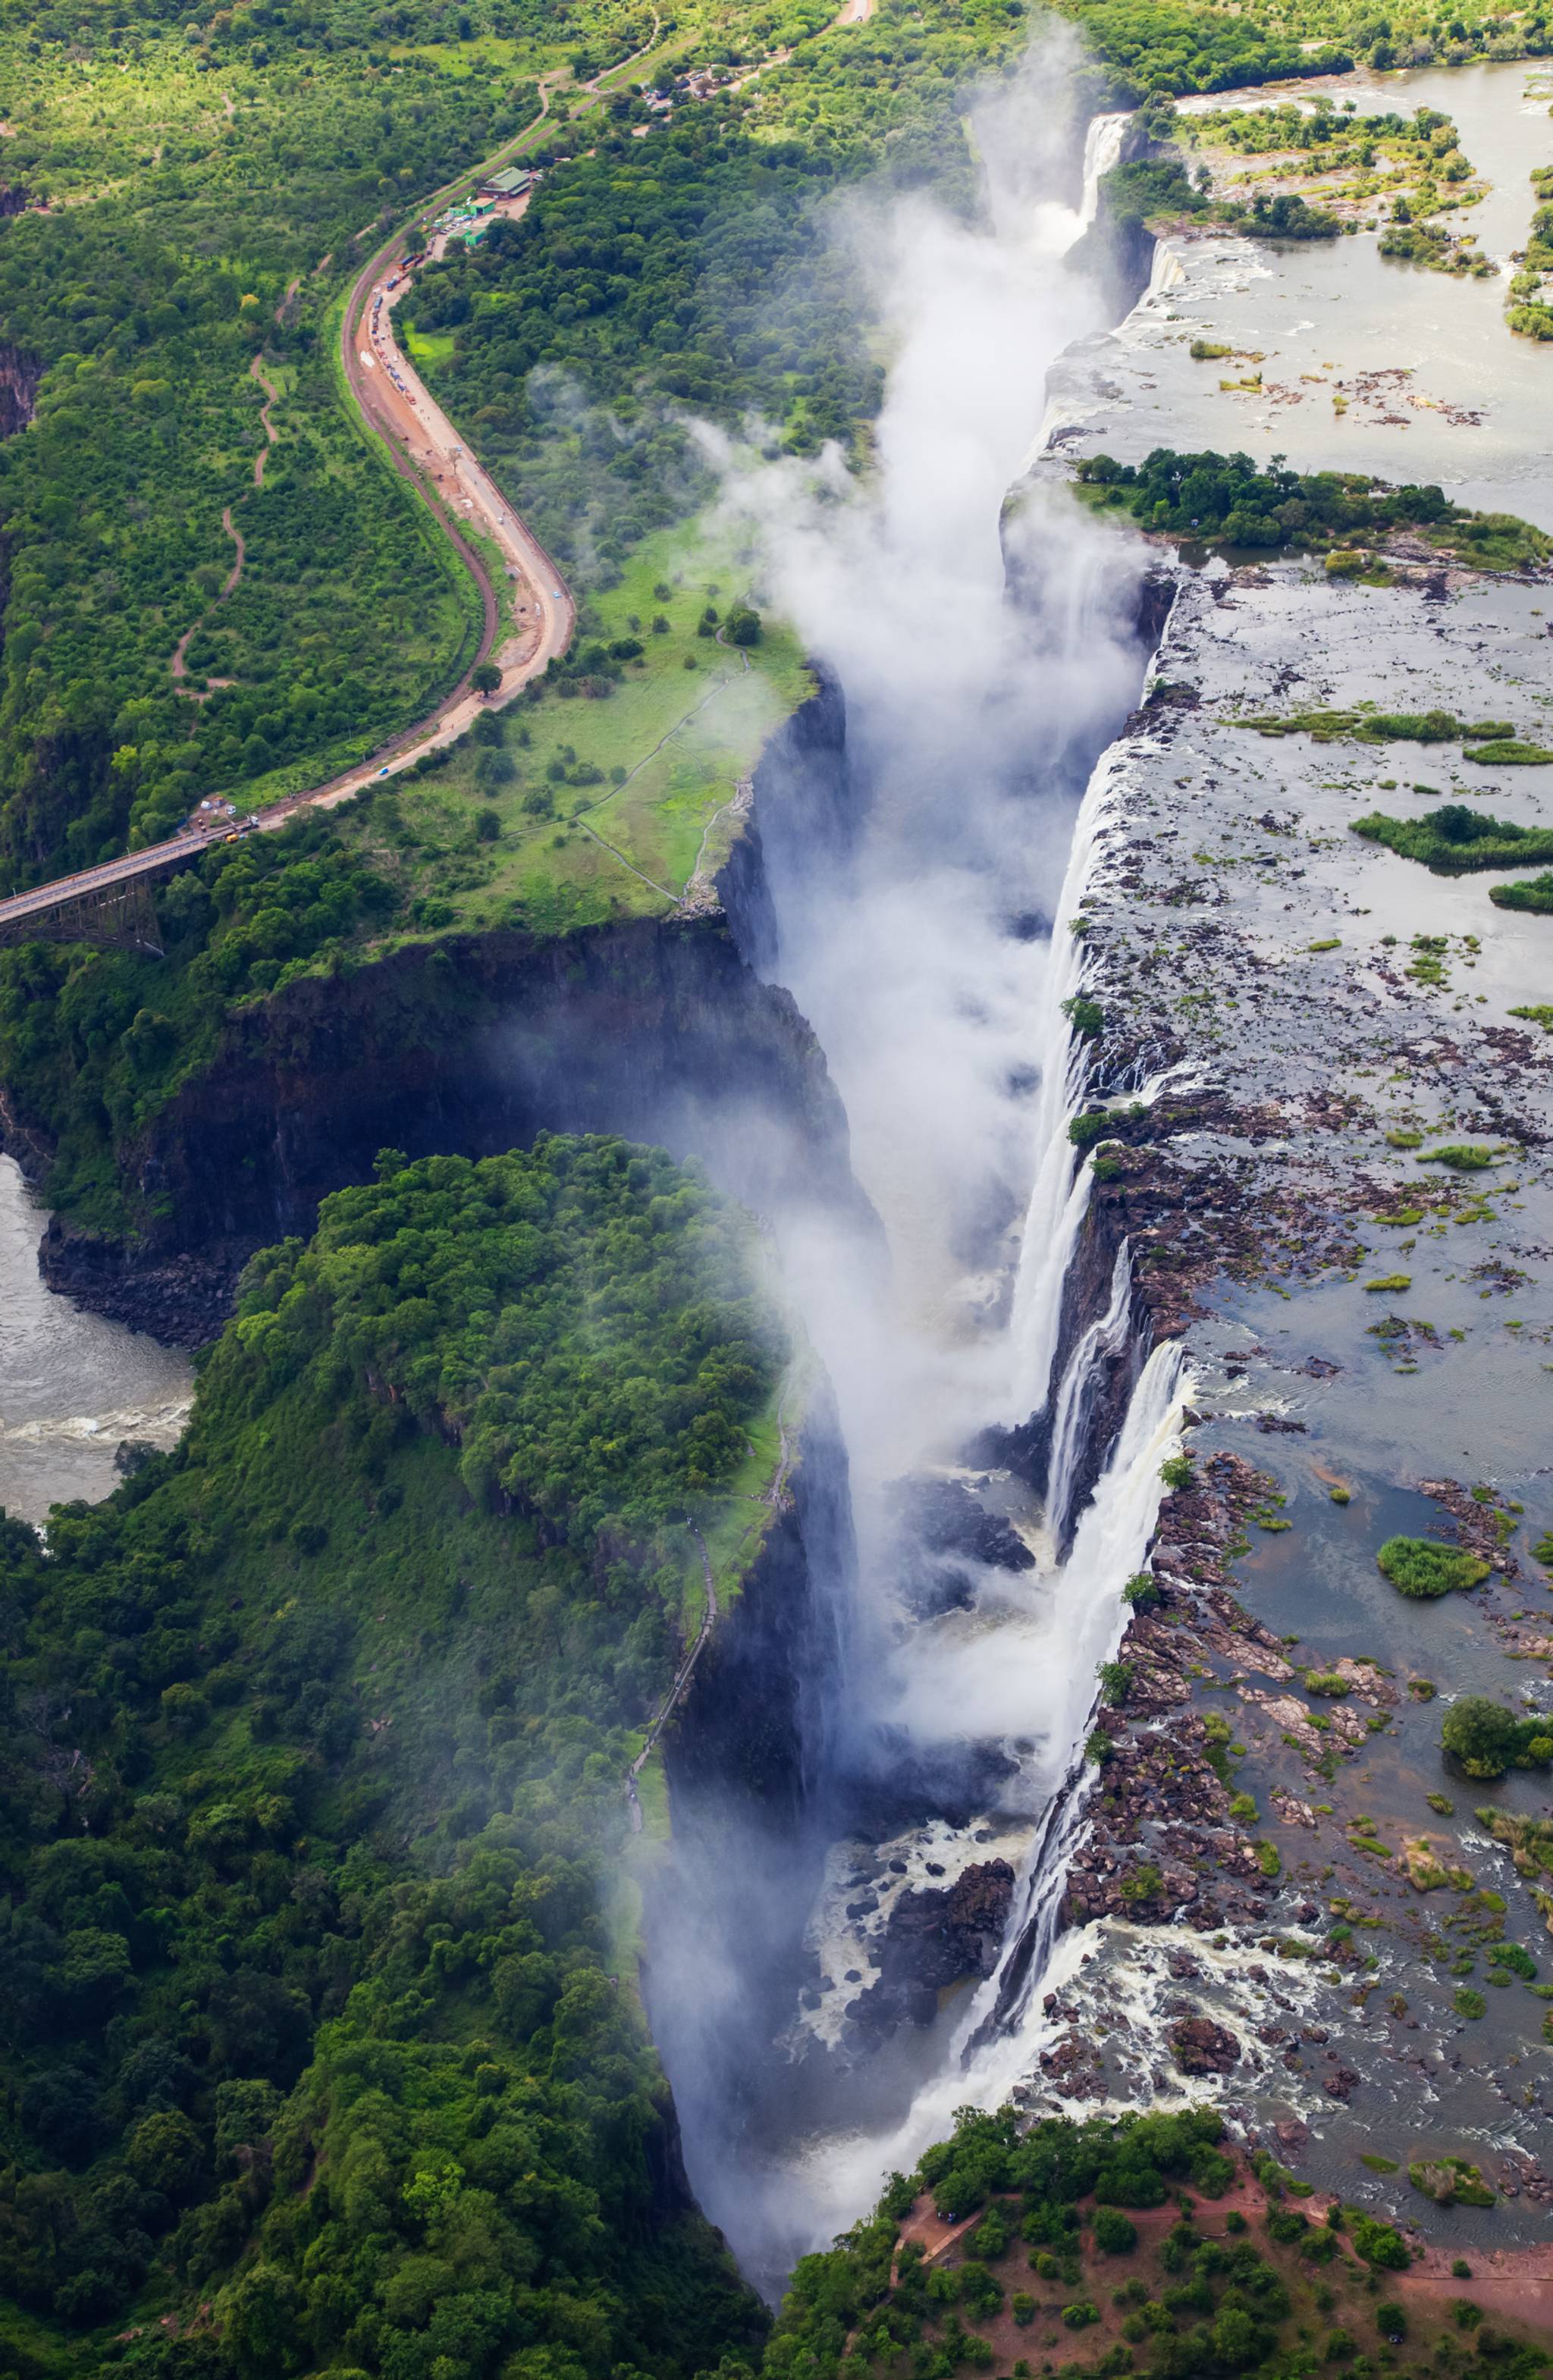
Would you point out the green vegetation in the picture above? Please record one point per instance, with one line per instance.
(545, 818)
(1461, 1156)
(1510, 752)
(93, 1042)
(1207, 2295)
(1411, 163)
(1454, 839)
(1535, 896)
(685, 270)
(1225, 500)
(1488, 1739)
(1451, 2181)
(205, 216)
(1536, 1015)
(1371, 726)
(311, 1790)
(1417, 1566)
(1527, 310)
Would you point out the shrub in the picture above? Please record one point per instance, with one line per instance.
(1461, 1156)
(1417, 1566)
(1079, 2315)
(1141, 1883)
(1482, 1735)
(1178, 1471)
(1115, 2235)
(1380, 2244)
(1086, 1016)
(1534, 893)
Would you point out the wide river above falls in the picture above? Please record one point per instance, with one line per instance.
(72, 1387)
(1432, 382)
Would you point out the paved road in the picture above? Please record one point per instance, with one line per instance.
(428, 450)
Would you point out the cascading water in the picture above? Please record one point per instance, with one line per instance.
(1102, 151)
(913, 942)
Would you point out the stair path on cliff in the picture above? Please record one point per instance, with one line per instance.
(666, 1709)
(772, 1497)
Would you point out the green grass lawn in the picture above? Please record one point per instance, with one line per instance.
(669, 749)
(425, 346)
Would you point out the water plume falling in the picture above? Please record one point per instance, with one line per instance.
(915, 931)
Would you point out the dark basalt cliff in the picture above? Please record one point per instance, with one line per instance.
(20, 372)
(656, 1030)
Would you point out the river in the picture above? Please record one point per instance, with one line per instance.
(72, 1387)
(1436, 387)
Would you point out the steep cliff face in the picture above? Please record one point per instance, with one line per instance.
(803, 813)
(752, 1727)
(656, 1030)
(20, 372)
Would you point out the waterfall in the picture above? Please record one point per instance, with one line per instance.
(1102, 151)
(997, 2042)
(1105, 1337)
(972, 796)
(1060, 1193)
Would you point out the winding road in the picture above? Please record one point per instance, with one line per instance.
(425, 449)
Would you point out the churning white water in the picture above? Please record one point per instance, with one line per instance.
(911, 929)
(993, 2051)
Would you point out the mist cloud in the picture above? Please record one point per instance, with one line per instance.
(914, 934)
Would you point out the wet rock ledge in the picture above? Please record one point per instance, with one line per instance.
(1290, 1897)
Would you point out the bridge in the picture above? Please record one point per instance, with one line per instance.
(110, 905)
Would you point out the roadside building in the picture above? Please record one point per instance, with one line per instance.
(510, 183)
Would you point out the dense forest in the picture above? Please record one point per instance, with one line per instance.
(1140, 2245)
(318, 2037)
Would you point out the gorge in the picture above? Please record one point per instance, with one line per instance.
(1047, 1023)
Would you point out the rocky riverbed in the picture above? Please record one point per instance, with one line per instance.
(1287, 1896)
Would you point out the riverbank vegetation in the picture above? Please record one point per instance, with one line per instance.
(1212, 498)
(318, 2048)
(1391, 168)
(1535, 896)
(1454, 839)
(1529, 307)
(1218, 2268)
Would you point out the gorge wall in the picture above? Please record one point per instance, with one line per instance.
(655, 1030)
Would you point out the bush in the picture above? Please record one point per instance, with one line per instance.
(1380, 2244)
(1535, 894)
(1417, 1566)
(1482, 1735)
(1462, 1157)
(1115, 2235)
(1177, 1471)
